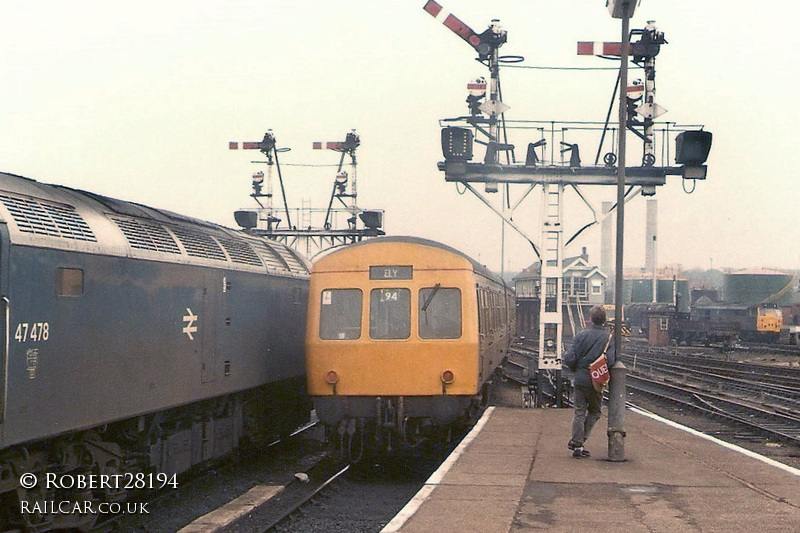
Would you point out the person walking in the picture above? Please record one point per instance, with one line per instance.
(586, 347)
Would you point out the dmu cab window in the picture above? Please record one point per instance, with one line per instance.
(340, 314)
(439, 313)
(390, 314)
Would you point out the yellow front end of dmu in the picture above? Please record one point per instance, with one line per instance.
(402, 329)
(364, 337)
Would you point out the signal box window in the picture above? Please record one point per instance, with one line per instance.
(390, 314)
(340, 314)
(439, 313)
(69, 282)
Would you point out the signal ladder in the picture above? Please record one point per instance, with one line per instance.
(551, 283)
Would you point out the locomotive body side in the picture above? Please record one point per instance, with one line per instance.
(141, 337)
(136, 340)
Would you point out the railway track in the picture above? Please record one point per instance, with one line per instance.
(763, 398)
(545, 389)
(784, 390)
(216, 484)
(782, 425)
(362, 498)
(788, 377)
(279, 511)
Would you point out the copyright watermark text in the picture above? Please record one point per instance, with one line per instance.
(89, 482)
(66, 507)
(128, 481)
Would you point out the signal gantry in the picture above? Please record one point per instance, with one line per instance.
(306, 236)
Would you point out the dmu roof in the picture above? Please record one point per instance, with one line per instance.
(477, 267)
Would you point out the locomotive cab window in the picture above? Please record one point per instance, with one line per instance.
(340, 314)
(69, 282)
(390, 313)
(439, 313)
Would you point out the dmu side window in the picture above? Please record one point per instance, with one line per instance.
(481, 313)
(439, 313)
(340, 314)
(390, 313)
(69, 282)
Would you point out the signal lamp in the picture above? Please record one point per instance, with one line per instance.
(267, 143)
(457, 143)
(332, 377)
(621, 8)
(351, 141)
(372, 219)
(447, 377)
(692, 147)
(246, 219)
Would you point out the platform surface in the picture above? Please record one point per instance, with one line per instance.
(517, 475)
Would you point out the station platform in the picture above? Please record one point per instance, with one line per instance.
(514, 473)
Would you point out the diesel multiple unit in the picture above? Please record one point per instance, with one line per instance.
(135, 340)
(404, 335)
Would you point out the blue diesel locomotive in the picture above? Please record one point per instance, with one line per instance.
(135, 340)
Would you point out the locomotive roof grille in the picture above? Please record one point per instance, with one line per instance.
(32, 216)
(241, 252)
(270, 256)
(291, 261)
(198, 244)
(146, 236)
(48, 210)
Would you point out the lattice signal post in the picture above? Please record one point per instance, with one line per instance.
(459, 139)
(304, 236)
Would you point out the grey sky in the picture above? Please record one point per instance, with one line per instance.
(138, 101)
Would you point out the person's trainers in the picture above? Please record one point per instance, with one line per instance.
(572, 445)
(580, 453)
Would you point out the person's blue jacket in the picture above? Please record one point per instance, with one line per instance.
(586, 347)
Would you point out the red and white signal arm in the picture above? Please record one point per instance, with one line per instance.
(596, 48)
(452, 22)
(477, 87)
